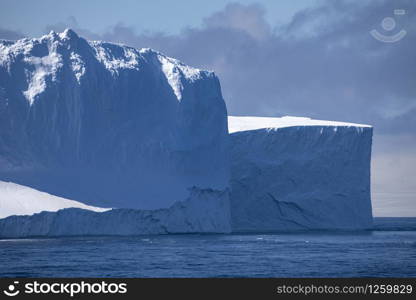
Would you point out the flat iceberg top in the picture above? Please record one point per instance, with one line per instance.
(236, 124)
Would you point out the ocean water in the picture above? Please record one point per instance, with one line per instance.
(379, 253)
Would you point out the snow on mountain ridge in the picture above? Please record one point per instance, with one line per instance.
(173, 69)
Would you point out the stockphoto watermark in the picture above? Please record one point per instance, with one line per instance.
(73, 288)
(388, 25)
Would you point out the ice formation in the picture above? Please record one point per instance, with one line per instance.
(108, 125)
(298, 174)
(204, 211)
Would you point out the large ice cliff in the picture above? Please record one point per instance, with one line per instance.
(299, 174)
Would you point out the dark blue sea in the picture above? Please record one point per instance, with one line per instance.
(390, 250)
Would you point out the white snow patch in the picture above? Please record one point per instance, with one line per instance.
(77, 65)
(17, 199)
(173, 75)
(66, 34)
(129, 59)
(44, 67)
(174, 70)
(9, 49)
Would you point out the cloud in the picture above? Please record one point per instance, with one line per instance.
(246, 18)
(6, 34)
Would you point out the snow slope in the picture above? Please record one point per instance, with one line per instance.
(20, 200)
(108, 125)
(204, 211)
(299, 174)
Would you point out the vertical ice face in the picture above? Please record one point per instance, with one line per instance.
(299, 174)
(108, 125)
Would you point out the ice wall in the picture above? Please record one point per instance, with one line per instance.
(205, 211)
(299, 174)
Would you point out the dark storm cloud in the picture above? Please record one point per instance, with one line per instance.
(323, 64)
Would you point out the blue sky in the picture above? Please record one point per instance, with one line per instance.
(313, 58)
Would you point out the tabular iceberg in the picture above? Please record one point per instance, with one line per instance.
(298, 174)
(108, 125)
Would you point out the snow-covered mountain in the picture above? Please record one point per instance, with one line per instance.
(108, 125)
(298, 174)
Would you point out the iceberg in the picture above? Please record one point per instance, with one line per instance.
(295, 173)
(86, 126)
(109, 125)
